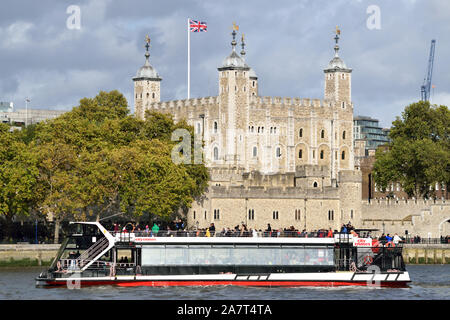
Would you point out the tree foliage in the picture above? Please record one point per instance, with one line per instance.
(418, 156)
(94, 160)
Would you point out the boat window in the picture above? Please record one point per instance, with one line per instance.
(240, 255)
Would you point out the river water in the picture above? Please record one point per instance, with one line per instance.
(428, 282)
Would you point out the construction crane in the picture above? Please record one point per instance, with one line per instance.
(425, 88)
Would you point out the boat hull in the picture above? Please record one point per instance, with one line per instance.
(393, 280)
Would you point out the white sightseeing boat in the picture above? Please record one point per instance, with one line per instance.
(95, 256)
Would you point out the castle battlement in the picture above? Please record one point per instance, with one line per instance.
(407, 203)
(184, 103)
(265, 101)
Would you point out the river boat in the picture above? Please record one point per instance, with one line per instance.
(95, 256)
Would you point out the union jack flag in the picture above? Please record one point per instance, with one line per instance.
(197, 26)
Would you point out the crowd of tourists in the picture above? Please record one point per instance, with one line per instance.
(177, 229)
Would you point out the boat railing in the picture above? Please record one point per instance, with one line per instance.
(125, 236)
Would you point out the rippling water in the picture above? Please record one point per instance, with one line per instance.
(428, 282)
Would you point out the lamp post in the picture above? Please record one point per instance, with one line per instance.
(26, 110)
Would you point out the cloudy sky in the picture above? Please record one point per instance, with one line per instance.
(289, 43)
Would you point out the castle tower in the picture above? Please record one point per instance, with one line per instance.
(233, 103)
(146, 86)
(338, 78)
(338, 94)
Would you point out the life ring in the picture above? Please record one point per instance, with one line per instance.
(368, 260)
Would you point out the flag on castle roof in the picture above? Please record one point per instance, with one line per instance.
(197, 26)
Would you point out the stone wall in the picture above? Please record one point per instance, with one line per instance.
(41, 252)
(426, 218)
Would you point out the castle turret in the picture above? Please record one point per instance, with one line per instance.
(338, 78)
(233, 100)
(146, 86)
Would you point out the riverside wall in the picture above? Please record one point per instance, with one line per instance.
(24, 254)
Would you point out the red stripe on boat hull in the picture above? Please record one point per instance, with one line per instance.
(137, 283)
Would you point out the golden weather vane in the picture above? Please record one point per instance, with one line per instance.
(235, 27)
(338, 31)
(147, 39)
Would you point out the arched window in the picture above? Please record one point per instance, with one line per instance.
(255, 152)
(315, 184)
(148, 94)
(216, 153)
(215, 126)
(343, 135)
(321, 154)
(322, 134)
(343, 155)
(300, 133)
(300, 153)
(278, 152)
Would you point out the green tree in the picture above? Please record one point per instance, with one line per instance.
(418, 156)
(18, 174)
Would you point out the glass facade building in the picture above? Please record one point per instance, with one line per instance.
(368, 129)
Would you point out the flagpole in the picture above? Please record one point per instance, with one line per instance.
(189, 61)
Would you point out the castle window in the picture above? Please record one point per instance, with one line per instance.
(351, 214)
(253, 128)
(343, 155)
(343, 135)
(343, 104)
(300, 153)
(300, 133)
(251, 214)
(275, 130)
(216, 214)
(215, 126)
(330, 214)
(278, 152)
(262, 129)
(205, 215)
(321, 154)
(297, 214)
(259, 129)
(216, 153)
(255, 152)
(314, 154)
(153, 95)
(275, 215)
(244, 88)
(315, 184)
(253, 84)
(194, 214)
(271, 130)
(322, 134)
(141, 95)
(148, 95)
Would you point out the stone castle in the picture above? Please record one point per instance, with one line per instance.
(283, 161)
